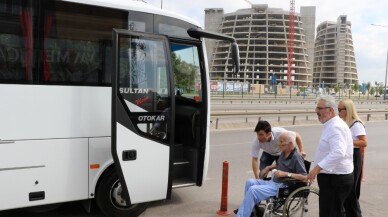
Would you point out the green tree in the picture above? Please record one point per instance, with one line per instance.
(336, 88)
(356, 87)
(380, 90)
(218, 78)
(371, 91)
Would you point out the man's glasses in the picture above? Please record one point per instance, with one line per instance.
(320, 108)
(340, 109)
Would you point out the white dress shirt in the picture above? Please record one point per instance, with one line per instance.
(335, 150)
(271, 147)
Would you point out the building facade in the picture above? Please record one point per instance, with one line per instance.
(262, 35)
(334, 59)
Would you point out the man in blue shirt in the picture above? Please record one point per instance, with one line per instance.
(290, 164)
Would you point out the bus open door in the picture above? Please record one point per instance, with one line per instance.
(160, 113)
(141, 115)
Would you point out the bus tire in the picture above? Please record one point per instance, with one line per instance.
(109, 201)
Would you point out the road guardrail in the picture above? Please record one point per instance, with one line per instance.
(247, 115)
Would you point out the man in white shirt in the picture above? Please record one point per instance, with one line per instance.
(268, 139)
(334, 158)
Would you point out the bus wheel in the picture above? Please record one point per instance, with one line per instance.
(109, 200)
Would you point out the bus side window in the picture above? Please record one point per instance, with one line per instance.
(3, 63)
(77, 43)
(16, 42)
(187, 72)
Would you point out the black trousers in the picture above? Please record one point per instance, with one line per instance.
(352, 206)
(333, 190)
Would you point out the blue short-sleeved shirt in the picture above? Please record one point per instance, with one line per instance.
(294, 163)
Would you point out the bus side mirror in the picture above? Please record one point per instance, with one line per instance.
(236, 57)
(197, 33)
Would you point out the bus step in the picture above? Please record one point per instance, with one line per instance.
(181, 162)
(181, 169)
(179, 183)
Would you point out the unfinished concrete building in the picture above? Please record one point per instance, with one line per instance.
(262, 35)
(334, 60)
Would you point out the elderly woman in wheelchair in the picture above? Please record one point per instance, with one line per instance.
(288, 175)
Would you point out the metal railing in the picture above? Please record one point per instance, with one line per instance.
(254, 116)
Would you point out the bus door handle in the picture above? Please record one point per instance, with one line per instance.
(6, 141)
(129, 155)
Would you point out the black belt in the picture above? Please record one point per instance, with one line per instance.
(328, 174)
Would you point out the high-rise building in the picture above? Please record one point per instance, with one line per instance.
(262, 35)
(334, 60)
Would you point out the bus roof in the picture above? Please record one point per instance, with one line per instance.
(135, 6)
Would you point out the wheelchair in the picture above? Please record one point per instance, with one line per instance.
(297, 199)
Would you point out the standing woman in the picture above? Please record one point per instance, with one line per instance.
(347, 111)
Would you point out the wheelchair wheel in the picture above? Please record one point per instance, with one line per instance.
(258, 211)
(303, 201)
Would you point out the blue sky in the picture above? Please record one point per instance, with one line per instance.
(370, 42)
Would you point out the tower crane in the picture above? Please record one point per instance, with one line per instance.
(247, 1)
(291, 34)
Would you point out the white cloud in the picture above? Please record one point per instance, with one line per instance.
(370, 42)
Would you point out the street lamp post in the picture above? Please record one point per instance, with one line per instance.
(290, 91)
(242, 90)
(385, 85)
(223, 88)
(386, 65)
(339, 91)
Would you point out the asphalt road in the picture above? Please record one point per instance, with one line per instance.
(234, 146)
